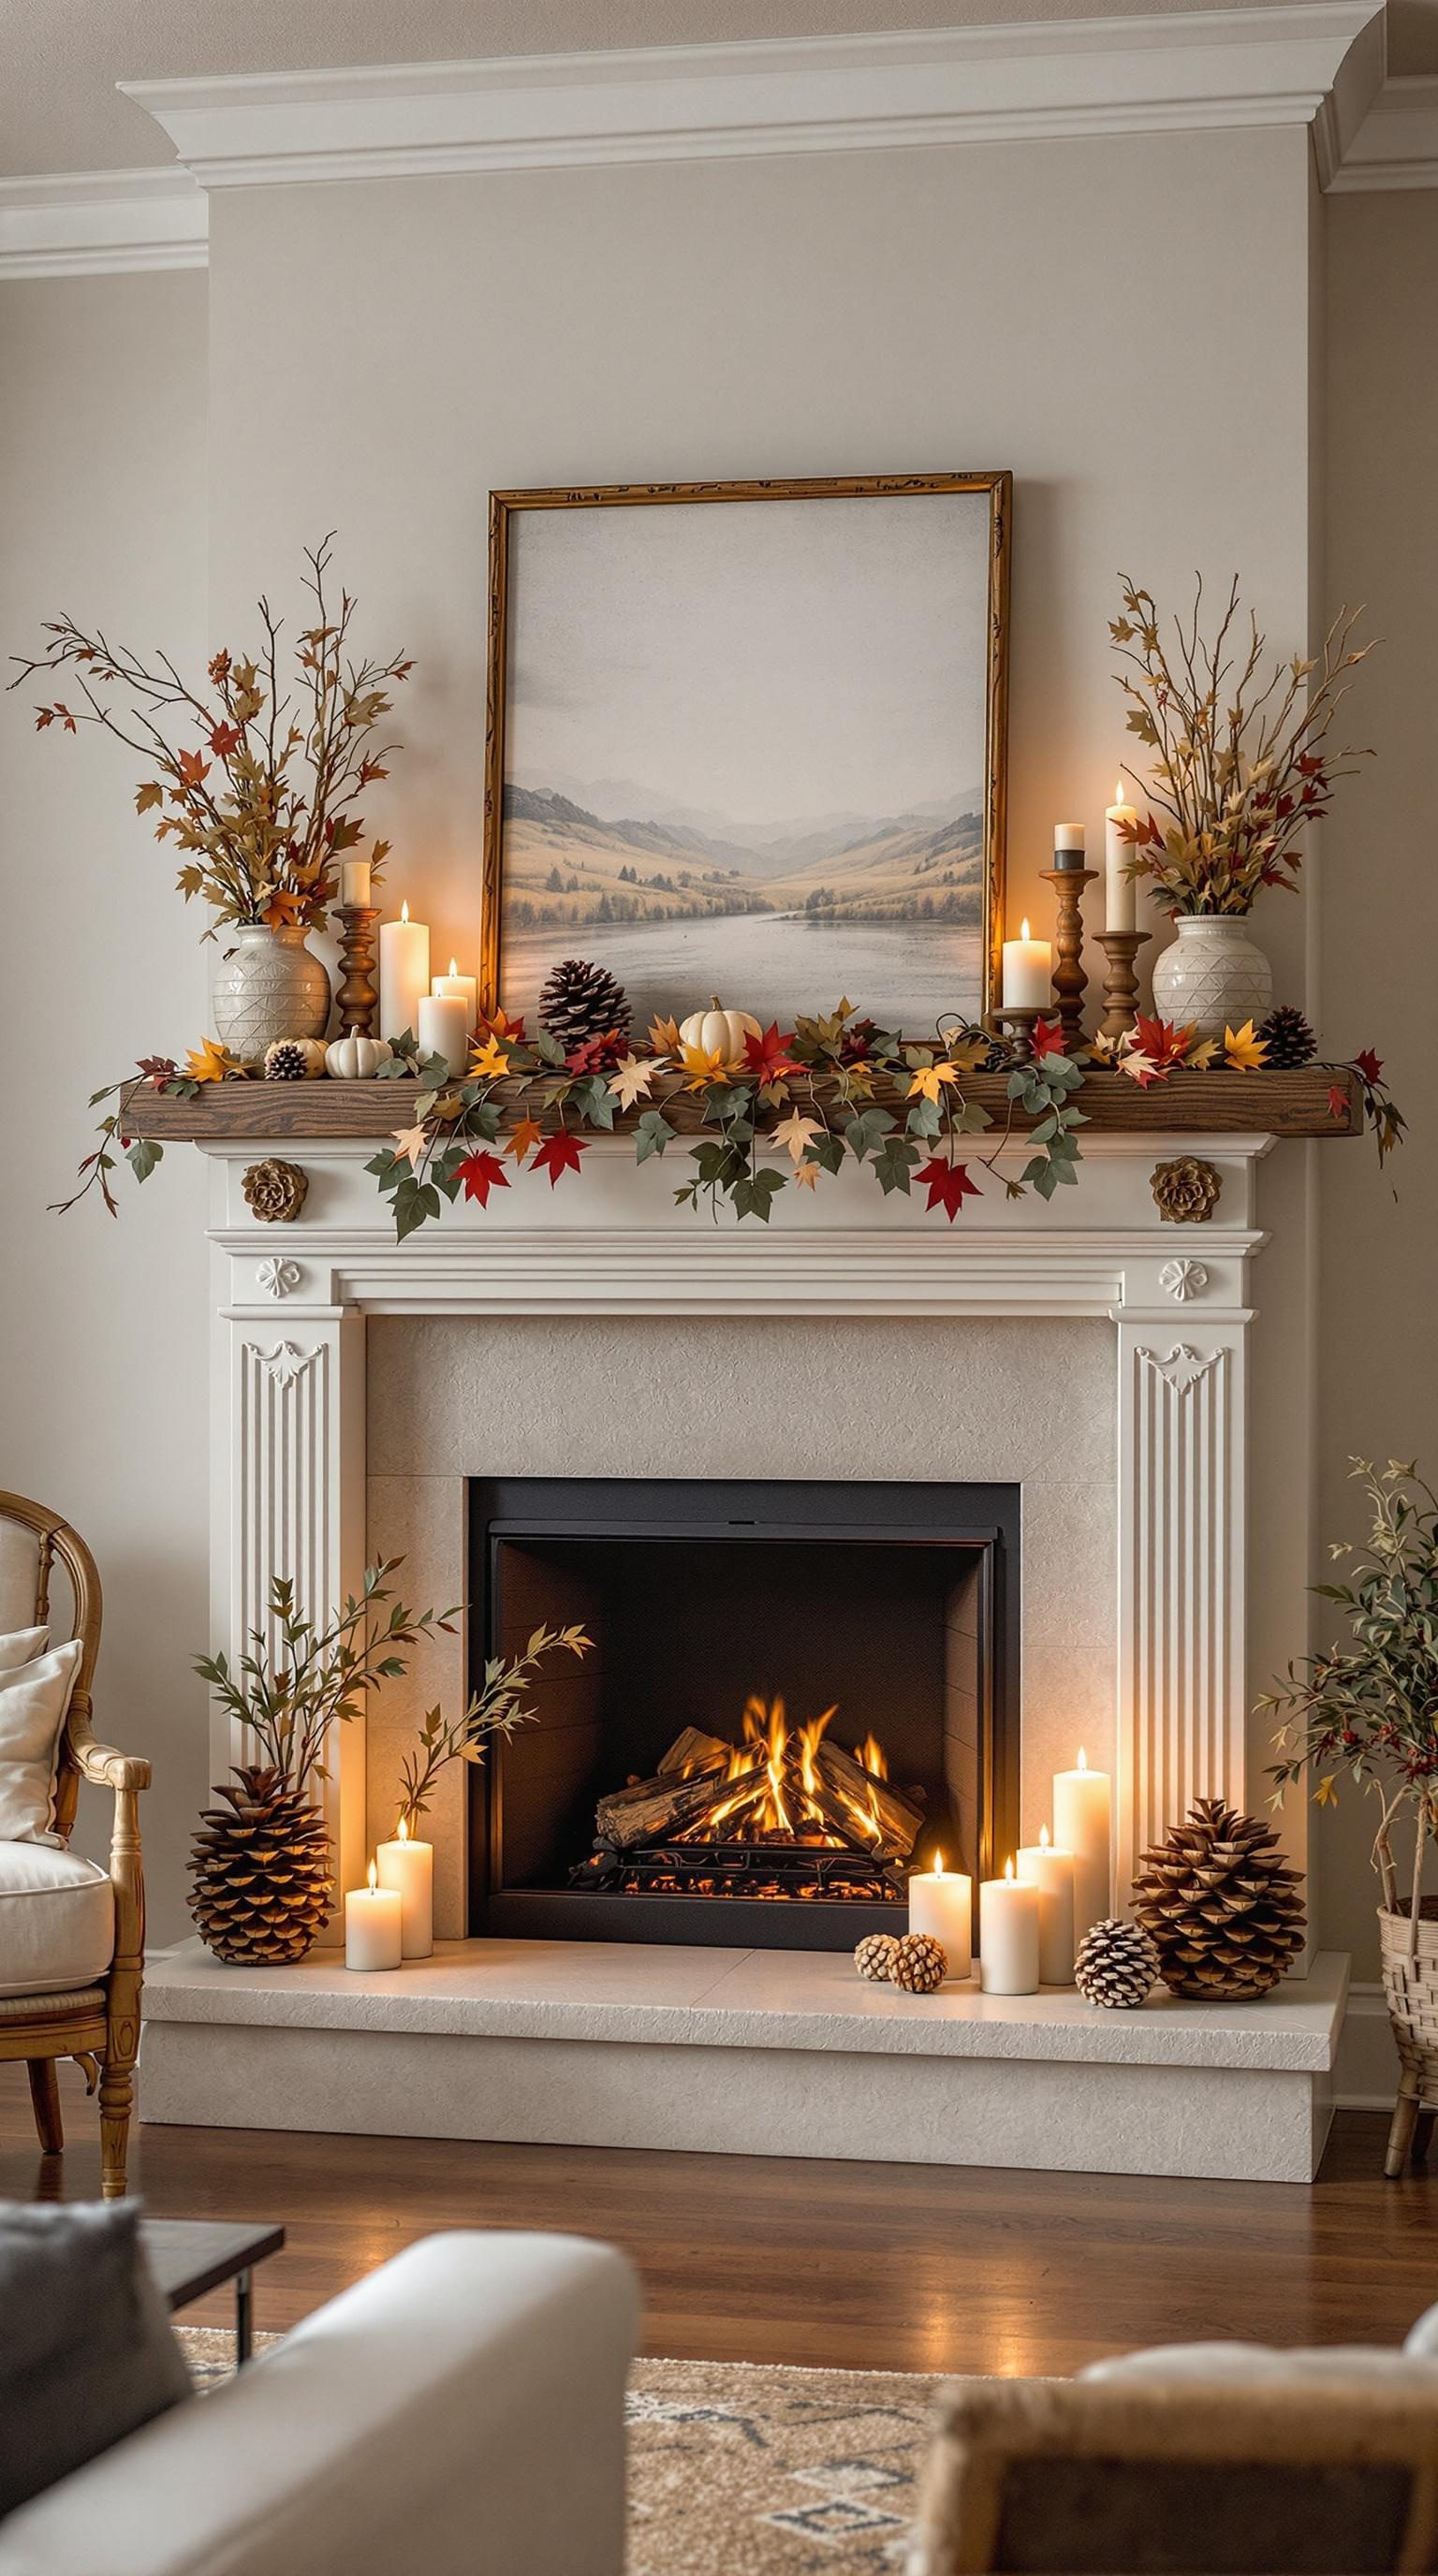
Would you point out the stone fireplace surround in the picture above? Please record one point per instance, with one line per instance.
(1085, 1349)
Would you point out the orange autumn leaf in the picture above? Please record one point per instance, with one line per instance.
(524, 1139)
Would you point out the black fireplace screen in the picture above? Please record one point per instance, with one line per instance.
(797, 1691)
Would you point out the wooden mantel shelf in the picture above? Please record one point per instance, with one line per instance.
(1205, 1104)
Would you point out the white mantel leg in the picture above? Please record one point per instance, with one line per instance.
(1182, 1425)
(288, 1454)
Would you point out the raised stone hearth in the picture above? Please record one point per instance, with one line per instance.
(744, 2053)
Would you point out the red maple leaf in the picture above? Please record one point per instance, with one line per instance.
(225, 738)
(559, 1154)
(1048, 1038)
(768, 1057)
(480, 1174)
(1337, 1101)
(1368, 1067)
(1163, 1040)
(157, 1068)
(948, 1185)
(594, 1055)
(193, 770)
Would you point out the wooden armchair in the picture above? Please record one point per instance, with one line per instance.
(97, 2023)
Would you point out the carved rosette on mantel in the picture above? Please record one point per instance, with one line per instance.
(1187, 1190)
(275, 1192)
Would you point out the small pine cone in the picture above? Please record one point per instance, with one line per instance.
(1289, 1039)
(580, 1002)
(287, 1060)
(875, 1956)
(920, 1963)
(1117, 1965)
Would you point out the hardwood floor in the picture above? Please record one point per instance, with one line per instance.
(858, 2266)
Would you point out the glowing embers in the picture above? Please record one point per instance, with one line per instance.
(785, 1813)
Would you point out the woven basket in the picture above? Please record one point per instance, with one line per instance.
(1410, 1987)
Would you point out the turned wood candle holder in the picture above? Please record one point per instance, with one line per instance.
(1014, 1022)
(1120, 983)
(358, 995)
(1070, 980)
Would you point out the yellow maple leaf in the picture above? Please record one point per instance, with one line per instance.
(409, 1142)
(630, 1080)
(969, 1054)
(930, 1080)
(794, 1132)
(703, 1066)
(209, 1062)
(489, 1061)
(806, 1175)
(1244, 1049)
(1200, 1058)
(524, 1139)
(664, 1036)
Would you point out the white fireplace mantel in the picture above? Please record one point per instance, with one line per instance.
(289, 1397)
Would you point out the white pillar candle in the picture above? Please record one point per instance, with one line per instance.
(403, 973)
(1083, 1824)
(941, 1902)
(408, 1867)
(1120, 890)
(455, 987)
(1068, 845)
(373, 1937)
(1050, 1869)
(443, 1030)
(355, 881)
(1008, 1935)
(1028, 973)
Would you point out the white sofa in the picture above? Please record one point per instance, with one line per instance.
(458, 2413)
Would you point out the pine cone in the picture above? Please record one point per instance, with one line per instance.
(920, 1963)
(580, 1002)
(1117, 1964)
(261, 1869)
(1288, 1038)
(875, 1956)
(1222, 1905)
(287, 1060)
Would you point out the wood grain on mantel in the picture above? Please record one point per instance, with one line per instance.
(1208, 1104)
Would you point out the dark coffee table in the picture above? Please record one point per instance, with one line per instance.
(190, 2256)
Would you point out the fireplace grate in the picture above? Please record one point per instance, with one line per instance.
(791, 1871)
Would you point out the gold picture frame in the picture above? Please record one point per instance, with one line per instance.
(987, 599)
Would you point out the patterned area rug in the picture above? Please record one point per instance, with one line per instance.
(737, 2469)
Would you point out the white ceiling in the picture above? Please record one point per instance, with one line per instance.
(60, 59)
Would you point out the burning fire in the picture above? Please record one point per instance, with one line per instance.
(781, 1792)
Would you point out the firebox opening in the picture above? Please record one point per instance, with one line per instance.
(797, 1693)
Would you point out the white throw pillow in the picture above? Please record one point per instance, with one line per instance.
(33, 1701)
(22, 1646)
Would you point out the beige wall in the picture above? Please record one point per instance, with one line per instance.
(102, 433)
(1378, 1385)
(1069, 309)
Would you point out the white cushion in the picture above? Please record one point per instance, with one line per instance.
(57, 1920)
(22, 1646)
(1226, 2363)
(33, 1701)
(19, 1573)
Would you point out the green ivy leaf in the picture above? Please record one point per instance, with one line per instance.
(142, 1157)
(865, 1132)
(754, 1195)
(651, 1135)
(923, 1118)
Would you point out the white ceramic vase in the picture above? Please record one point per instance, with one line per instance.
(1212, 976)
(268, 985)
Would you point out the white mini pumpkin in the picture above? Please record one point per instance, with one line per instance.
(354, 1059)
(719, 1032)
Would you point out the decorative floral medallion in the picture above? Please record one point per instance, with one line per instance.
(1183, 1279)
(1186, 1190)
(279, 1278)
(275, 1192)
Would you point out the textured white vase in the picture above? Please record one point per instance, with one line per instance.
(1212, 977)
(268, 986)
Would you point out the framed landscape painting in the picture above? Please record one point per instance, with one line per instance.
(748, 739)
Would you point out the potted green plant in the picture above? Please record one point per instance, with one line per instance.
(1368, 1706)
(261, 801)
(1240, 769)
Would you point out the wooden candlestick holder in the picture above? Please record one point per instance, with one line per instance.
(1070, 980)
(1015, 1022)
(1120, 983)
(358, 995)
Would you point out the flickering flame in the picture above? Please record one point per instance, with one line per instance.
(1043, 1838)
(454, 965)
(1083, 1759)
(1008, 1869)
(938, 1864)
(781, 1792)
(1118, 791)
(402, 1829)
(1024, 928)
(373, 1876)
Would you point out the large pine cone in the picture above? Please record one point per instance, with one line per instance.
(1221, 1905)
(261, 1869)
(581, 1002)
(1288, 1038)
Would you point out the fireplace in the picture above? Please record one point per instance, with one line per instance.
(796, 1691)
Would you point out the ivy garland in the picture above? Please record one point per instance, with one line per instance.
(818, 1094)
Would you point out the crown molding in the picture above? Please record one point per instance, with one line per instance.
(1396, 143)
(78, 223)
(1189, 70)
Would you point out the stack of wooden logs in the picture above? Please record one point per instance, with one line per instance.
(695, 1796)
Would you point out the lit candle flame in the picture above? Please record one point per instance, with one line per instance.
(1043, 1838)
(373, 1876)
(938, 1864)
(404, 909)
(1023, 929)
(1118, 791)
(1008, 1869)
(402, 1829)
(454, 965)
(1083, 1759)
